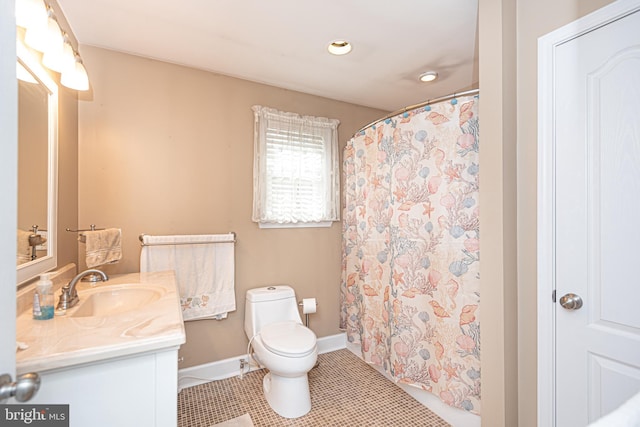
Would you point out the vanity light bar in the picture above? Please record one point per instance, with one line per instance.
(44, 34)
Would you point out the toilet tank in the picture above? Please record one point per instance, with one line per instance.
(267, 305)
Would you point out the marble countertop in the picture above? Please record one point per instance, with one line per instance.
(66, 341)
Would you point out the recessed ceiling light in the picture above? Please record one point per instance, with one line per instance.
(429, 76)
(339, 47)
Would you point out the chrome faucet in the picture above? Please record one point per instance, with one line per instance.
(69, 295)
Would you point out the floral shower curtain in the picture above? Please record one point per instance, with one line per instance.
(410, 279)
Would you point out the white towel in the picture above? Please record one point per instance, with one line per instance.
(205, 269)
(103, 246)
(627, 415)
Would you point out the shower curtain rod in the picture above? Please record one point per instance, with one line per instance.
(422, 104)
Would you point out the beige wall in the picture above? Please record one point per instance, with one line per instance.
(165, 149)
(498, 214)
(508, 80)
(67, 175)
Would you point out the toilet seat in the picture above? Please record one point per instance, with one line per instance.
(289, 339)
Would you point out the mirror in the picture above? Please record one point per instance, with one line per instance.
(37, 167)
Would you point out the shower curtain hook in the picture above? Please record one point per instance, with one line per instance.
(454, 101)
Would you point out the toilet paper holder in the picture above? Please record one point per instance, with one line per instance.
(305, 307)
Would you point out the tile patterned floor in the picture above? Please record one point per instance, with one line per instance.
(345, 392)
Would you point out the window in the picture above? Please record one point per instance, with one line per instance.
(296, 181)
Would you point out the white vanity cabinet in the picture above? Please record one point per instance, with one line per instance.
(137, 391)
(113, 367)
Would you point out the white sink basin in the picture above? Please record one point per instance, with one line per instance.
(114, 300)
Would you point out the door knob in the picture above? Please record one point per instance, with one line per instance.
(23, 389)
(571, 301)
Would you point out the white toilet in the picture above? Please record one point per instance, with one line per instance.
(283, 345)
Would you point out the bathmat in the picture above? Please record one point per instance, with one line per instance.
(242, 421)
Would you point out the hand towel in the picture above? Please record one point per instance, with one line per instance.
(103, 246)
(205, 270)
(24, 249)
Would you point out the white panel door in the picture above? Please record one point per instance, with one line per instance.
(597, 220)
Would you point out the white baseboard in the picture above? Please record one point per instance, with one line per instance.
(332, 343)
(227, 368)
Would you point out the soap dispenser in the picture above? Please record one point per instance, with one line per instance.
(43, 298)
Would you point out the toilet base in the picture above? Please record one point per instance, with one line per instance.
(288, 397)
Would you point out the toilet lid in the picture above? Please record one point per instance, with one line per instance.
(288, 338)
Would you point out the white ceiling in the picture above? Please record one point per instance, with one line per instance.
(283, 42)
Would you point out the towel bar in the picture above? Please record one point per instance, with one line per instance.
(142, 243)
(81, 237)
(93, 228)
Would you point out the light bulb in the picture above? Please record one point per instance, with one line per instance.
(43, 38)
(76, 78)
(59, 59)
(31, 13)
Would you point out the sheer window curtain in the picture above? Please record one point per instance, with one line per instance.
(296, 177)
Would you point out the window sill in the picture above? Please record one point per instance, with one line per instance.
(295, 224)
